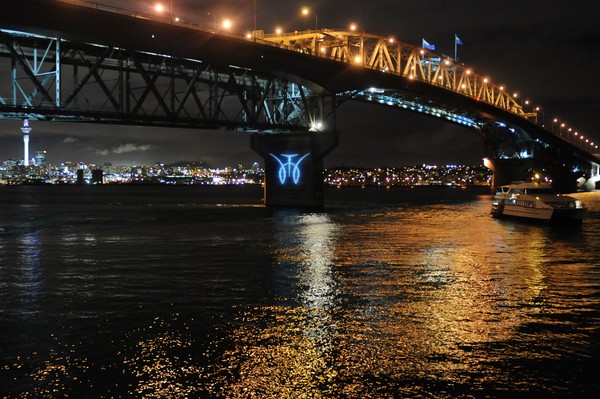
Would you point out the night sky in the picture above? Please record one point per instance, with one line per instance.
(546, 50)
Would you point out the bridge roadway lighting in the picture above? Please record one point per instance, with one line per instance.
(307, 11)
(353, 27)
(160, 8)
(561, 128)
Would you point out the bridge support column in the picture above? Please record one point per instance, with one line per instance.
(506, 171)
(294, 166)
(593, 182)
(509, 170)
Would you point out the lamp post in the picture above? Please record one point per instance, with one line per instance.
(214, 18)
(226, 24)
(561, 128)
(306, 11)
(160, 8)
(540, 110)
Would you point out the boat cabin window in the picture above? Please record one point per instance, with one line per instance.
(538, 191)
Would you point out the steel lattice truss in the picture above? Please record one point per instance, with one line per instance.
(393, 56)
(54, 79)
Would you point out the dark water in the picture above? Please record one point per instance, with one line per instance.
(155, 292)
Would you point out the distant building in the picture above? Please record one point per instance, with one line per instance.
(97, 176)
(40, 158)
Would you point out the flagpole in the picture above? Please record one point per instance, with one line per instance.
(455, 49)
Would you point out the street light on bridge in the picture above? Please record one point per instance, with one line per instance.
(307, 11)
(226, 24)
(539, 109)
(160, 8)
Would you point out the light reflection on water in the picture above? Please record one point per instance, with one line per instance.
(415, 301)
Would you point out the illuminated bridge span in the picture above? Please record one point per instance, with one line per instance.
(64, 62)
(389, 55)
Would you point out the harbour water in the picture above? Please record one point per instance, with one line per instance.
(191, 292)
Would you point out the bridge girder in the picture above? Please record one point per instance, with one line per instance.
(56, 79)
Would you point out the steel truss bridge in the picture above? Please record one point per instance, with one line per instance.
(93, 63)
(63, 80)
(389, 55)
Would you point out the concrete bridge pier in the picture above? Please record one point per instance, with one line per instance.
(593, 183)
(506, 171)
(294, 166)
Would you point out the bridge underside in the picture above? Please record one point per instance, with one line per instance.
(514, 149)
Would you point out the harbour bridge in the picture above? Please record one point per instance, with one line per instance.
(72, 60)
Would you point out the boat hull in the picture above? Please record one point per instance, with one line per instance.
(502, 210)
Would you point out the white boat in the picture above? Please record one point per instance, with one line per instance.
(536, 202)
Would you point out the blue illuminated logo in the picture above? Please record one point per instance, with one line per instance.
(288, 167)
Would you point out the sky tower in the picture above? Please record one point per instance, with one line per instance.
(26, 129)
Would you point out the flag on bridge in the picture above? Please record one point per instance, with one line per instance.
(428, 46)
(457, 42)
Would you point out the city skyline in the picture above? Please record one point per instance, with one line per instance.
(527, 47)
